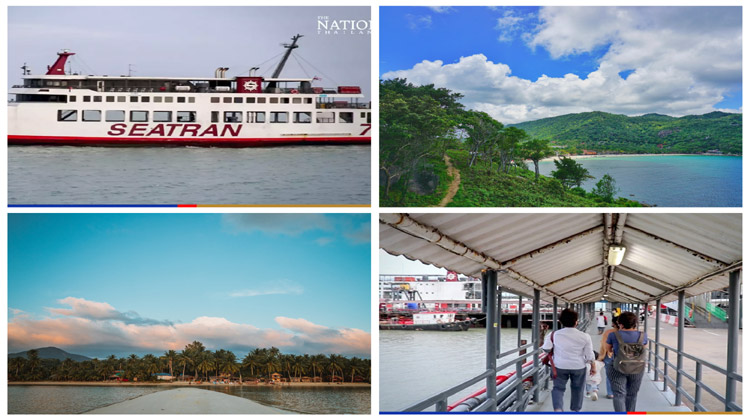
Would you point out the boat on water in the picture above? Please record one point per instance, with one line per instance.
(243, 111)
(427, 321)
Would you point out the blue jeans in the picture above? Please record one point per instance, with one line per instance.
(577, 382)
(607, 363)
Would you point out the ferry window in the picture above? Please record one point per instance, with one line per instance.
(308, 100)
(110, 98)
(296, 100)
(257, 117)
(362, 114)
(214, 100)
(238, 100)
(284, 100)
(214, 116)
(303, 117)
(71, 98)
(369, 118)
(92, 115)
(162, 116)
(274, 100)
(87, 99)
(346, 117)
(261, 100)
(249, 100)
(114, 116)
(325, 117)
(233, 116)
(227, 100)
(180, 99)
(67, 115)
(138, 116)
(133, 99)
(97, 98)
(168, 99)
(145, 98)
(157, 99)
(185, 116)
(279, 117)
(191, 100)
(121, 99)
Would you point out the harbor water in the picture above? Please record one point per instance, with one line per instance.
(187, 175)
(668, 181)
(415, 365)
(35, 399)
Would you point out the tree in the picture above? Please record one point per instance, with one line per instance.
(34, 361)
(536, 150)
(570, 172)
(482, 133)
(170, 356)
(606, 189)
(508, 144)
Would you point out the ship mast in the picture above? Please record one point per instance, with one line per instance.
(289, 48)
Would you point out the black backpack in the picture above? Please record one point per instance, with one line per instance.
(631, 357)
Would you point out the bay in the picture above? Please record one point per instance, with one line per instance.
(277, 175)
(415, 365)
(668, 181)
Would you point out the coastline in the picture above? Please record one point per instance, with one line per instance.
(187, 401)
(194, 385)
(575, 157)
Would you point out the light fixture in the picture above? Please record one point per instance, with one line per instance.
(616, 253)
(605, 295)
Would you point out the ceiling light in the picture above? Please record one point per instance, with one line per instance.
(616, 254)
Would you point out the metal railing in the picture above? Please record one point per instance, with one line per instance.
(655, 360)
(512, 396)
(716, 311)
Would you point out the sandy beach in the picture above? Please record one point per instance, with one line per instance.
(189, 385)
(187, 401)
(576, 157)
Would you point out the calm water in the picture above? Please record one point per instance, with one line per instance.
(415, 365)
(669, 181)
(279, 175)
(78, 399)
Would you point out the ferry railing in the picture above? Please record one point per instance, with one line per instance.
(654, 360)
(510, 397)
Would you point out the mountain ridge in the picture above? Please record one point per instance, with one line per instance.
(51, 353)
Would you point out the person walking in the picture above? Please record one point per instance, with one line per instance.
(572, 351)
(601, 322)
(626, 371)
(606, 356)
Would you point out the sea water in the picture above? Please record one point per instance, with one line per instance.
(668, 181)
(186, 175)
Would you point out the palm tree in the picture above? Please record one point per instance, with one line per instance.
(354, 366)
(183, 360)
(335, 364)
(298, 365)
(206, 362)
(170, 356)
(150, 365)
(34, 360)
(17, 363)
(253, 360)
(317, 362)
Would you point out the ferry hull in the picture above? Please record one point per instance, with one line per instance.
(451, 326)
(182, 141)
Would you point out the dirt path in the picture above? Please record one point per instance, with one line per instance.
(453, 189)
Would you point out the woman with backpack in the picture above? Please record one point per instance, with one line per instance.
(629, 346)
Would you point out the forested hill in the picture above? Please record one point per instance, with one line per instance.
(650, 133)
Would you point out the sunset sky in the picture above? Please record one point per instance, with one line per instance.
(100, 284)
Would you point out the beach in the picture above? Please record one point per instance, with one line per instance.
(187, 401)
(205, 384)
(575, 157)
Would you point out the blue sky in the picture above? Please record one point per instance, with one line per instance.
(189, 41)
(526, 63)
(122, 283)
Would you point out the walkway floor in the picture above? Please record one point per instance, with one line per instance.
(650, 397)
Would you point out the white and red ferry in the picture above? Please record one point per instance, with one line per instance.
(243, 111)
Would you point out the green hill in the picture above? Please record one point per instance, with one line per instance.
(649, 133)
(52, 353)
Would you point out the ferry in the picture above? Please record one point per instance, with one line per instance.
(244, 111)
(427, 321)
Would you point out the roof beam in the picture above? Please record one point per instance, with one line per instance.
(551, 246)
(629, 296)
(624, 270)
(619, 228)
(619, 296)
(581, 287)
(571, 275)
(633, 288)
(585, 296)
(731, 267)
(677, 246)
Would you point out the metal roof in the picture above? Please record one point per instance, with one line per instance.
(565, 255)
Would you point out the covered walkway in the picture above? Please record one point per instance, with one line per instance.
(571, 260)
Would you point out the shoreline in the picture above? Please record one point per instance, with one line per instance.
(188, 385)
(612, 155)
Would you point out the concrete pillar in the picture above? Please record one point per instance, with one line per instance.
(733, 338)
(492, 325)
(680, 345)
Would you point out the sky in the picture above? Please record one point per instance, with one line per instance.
(391, 264)
(189, 41)
(526, 63)
(101, 284)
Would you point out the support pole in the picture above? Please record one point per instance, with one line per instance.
(656, 338)
(535, 337)
(680, 346)
(499, 320)
(554, 314)
(645, 331)
(733, 339)
(520, 318)
(491, 384)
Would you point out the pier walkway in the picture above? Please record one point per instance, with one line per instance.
(651, 398)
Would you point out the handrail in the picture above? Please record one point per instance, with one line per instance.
(716, 311)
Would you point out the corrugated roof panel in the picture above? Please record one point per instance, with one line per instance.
(563, 260)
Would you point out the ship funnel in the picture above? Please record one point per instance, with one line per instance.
(217, 73)
(59, 66)
(224, 72)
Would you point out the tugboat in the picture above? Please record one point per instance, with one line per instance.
(244, 111)
(427, 321)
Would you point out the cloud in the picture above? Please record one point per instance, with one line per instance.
(358, 234)
(442, 9)
(278, 287)
(89, 336)
(417, 22)
(509, 25)
(685, 60)
(15, 312)
(83, 308)
(277, 224)
(324, 241)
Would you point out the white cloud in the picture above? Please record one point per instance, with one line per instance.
(509, 25)
(277, 224)
(442, 9)
(685, 60)
(417, 22)
(278, 287)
